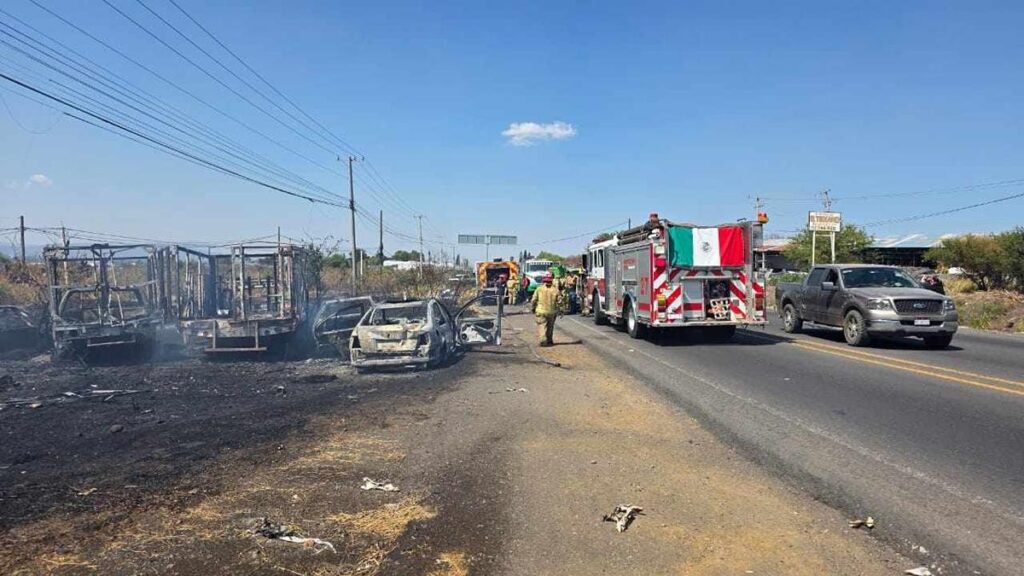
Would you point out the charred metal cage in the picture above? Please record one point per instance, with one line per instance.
(104, 295)
(244, 301)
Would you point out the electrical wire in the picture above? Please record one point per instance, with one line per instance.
(159, 143)
(945, 212)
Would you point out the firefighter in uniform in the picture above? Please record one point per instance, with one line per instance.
(546, 307)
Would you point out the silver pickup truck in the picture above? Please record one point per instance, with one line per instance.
(867, 300)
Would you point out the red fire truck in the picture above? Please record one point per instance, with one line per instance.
(670, 275)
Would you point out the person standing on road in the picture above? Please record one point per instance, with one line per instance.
(545, 305)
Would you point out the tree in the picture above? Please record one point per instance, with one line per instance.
(545, 255)
(1011, 246)
(980, 257)
(850, 243)
(403, 256)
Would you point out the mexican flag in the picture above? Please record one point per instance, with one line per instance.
(706, 247)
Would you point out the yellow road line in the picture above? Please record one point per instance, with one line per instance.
(912, 363)
(844, 354)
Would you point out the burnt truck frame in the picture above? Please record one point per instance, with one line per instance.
(255, 296)
(103, 296)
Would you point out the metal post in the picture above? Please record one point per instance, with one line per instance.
(833, 236)
(352, 209)
(21, 227)
(420, 218)
(814, 245)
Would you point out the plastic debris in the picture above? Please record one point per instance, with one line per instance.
(919, 571)
(268, 529)
(868, 523)
(86, 492)
(370, 484)
(510, 390)
(623, 516)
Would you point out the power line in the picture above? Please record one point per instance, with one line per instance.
(944, 212)
(177, 87)
(325, 194)
(605, 229)
(371, 169)
(159, 143)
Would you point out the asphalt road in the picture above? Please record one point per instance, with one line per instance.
(930, 443)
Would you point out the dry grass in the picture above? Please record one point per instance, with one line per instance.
(452, 564)
(389, 521)
(992, 310)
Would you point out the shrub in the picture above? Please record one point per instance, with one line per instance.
(960, 286)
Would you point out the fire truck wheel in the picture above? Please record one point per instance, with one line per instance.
(599, 317)
(633, 326)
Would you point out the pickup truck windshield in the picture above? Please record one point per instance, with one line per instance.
(877, 278)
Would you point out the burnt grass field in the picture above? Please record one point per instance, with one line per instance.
(87, 451)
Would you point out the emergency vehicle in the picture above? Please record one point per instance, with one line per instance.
(489, 273)
(670, 275)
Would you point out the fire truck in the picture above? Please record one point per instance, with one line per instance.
(488, 274)
(671, 275)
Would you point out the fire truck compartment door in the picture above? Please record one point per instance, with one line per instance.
(693, 299)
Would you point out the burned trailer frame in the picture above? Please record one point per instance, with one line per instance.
(104, 295)
(255, 296)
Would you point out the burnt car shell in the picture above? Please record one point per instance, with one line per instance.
(418, 332)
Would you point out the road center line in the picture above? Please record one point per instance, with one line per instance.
(969, 378)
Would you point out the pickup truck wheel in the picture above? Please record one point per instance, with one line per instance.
(599, 317)
(938, 341)
(633, 326)
(791, 321)
(855, 329)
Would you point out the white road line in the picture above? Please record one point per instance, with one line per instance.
(949, 488)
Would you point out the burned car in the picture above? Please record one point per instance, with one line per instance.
(336, 319)
(418, 333)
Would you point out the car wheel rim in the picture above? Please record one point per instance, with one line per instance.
(789, 318)
(630, 321)
(852, 328)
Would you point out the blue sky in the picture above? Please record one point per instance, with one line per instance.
(688, 109)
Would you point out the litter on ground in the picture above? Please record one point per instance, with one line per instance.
(919, 571)
(268, 529)
(370, 484)
(623, 516)
(868, 523)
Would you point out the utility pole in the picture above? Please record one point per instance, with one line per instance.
(352, 210)
(827, 203)
(21, 227)
(420, 218)
(380, 248)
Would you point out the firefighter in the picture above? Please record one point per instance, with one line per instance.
(546, 308)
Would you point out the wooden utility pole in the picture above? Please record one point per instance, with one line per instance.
(352, 210)
(21, 227)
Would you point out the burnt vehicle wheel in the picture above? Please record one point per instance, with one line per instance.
(938, 341)
(855, 329)
(600, 318)
(791, 321)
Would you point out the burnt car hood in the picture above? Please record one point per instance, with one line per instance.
(896, 293)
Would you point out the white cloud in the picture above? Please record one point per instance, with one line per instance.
(40, 180)
(529, 133)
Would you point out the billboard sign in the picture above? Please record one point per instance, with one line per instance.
(824, 221)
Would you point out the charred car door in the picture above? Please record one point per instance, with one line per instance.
(474, 327)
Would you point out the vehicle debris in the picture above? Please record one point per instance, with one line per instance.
(868, 523)
(272, 531)
(370, 484)
(919, 571)
(623, 516)
(85, 492)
